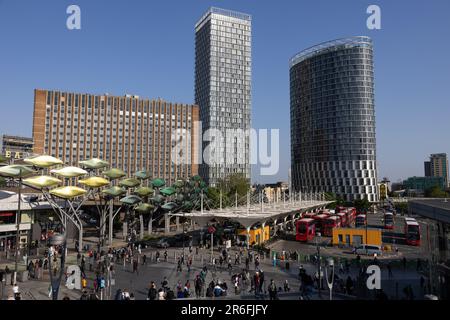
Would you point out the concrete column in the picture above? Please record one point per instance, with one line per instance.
(248, 237)
(177, 222)
(285, 223)
(150, 226)
(166, 223)
(125, 229)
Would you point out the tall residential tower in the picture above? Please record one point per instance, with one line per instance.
(333, 146)
(223, 91)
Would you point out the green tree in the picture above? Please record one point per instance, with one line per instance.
(234, 183)
(435, 192)
(362, 205)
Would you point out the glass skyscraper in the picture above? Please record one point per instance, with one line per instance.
(333, 147)
(223, 91)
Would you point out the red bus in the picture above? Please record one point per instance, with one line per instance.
(360, 221)
(412, 232)
(339, 209)
(309, 215)
(306, 230)
(329, 224)
(343, 217)
(351, 215)
(319, 219)
(388, 220)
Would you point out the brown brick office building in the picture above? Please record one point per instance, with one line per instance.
(130, 133)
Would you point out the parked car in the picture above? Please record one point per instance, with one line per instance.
(163, 243)
(369, 250)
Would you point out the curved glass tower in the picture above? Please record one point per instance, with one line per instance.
(333, 147)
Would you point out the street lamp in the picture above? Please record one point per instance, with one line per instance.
(318, 235)
(330, 284)
(56, 240)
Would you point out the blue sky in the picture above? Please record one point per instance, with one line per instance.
(147, 48)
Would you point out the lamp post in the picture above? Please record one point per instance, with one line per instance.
(56, 240)
(19, 216)
(330, 284)
(318, 235)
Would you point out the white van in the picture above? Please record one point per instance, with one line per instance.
(369, 250)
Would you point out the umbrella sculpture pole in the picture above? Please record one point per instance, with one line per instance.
(18, 218)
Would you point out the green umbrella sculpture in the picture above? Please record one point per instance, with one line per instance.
(157, 199)
(144, 208)
(94, 182)
(94, 164)
(15, 171)
(114, 173)
(158, 183)
(143, 175)
(43, 161)
(169, 206)
(41, 182)
(131, 200)
(143, 191)
(168, 191)
(129, 183)
(68, 193)
(114, 191)
(69, 172)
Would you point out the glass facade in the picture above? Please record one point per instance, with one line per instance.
(333, 146)
(223, 91)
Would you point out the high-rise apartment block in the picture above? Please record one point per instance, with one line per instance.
(333, 147)
(439, 166)
(223, 91)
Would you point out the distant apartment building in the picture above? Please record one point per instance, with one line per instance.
(422, 184)
(439, 166)
(427, 168)
(15, 148)
(223, 91)
(129, 132)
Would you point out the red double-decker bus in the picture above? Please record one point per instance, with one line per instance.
(340, 209)
(412, 232)
(329, 224)
(306, 229)
(343, 217)
(351, 215)
(360, 221)
(319, 219)
(388, 220)
(309, 215)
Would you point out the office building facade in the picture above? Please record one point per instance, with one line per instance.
(333, 147)
(223, 91)
(130, 133)
(15, 148)
(439, 166)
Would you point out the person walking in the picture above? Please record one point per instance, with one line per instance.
(135, 267)
(390, 274)
(198, 286)
(272, 290)
(286, 286)
(144, 260)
